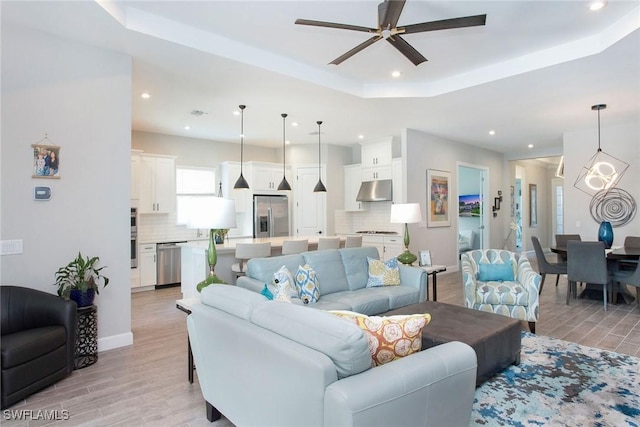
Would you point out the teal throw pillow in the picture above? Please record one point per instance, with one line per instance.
(307, 284)
(488, 272)
(266, 292)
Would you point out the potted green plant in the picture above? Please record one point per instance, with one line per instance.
(80, 280)
(220, 234)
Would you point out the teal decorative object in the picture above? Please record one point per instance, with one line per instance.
(266, 292)
(605, 234)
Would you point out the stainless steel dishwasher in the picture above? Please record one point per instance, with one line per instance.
(168, 264)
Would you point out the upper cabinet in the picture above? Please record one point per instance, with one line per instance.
(157, 184)
(266, 177)
(352, 181)
(376, 160)
(229, 173)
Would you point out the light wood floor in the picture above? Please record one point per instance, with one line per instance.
(146, 383)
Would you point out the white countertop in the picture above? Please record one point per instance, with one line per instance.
(230, 244)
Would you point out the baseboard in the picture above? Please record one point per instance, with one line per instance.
(115, 341)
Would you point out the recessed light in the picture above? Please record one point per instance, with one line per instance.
(597, 5)
(236, 113)
(360, 136)
(145, 95)
(492, 132)
(287, 142)
(187, 127)
(294, 124)
(530, 145)
(395, 74)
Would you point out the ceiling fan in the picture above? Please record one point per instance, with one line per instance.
(388, 14)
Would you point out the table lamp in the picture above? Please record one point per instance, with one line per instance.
(213, 213)
(407, 213)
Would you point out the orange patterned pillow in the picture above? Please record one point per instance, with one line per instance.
(389, 337)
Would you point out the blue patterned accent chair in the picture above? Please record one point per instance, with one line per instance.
(516, 297)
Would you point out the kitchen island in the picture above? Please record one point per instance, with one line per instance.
(195, 267)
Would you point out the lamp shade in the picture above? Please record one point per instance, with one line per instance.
(212, 212)
(406, 213)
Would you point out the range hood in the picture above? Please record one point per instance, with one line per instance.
(375, 191)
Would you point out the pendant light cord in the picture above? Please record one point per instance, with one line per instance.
(284, 142)
(599, 130)
(319, 157)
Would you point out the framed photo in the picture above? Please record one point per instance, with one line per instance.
(438, 183)
(425, 258)
(533, 205)
(46, 161)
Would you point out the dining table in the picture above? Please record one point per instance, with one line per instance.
(613, 255)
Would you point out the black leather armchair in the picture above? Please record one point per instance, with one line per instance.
(38, 341)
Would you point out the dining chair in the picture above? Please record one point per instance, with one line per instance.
(628, 277)
(587, 262)
(630, 242)
(328, 243)
(545, 267)
(562, 239)
(353, 242)
(246, 251)
(294, 246)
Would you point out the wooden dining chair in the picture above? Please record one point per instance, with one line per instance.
(328, 243)
(545, 267)
(586, 262)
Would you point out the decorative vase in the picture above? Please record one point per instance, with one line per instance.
(605, 234)
(83, 299)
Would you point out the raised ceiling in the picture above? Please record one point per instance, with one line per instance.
(531, 73)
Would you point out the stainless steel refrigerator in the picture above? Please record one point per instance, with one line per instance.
(270, 216)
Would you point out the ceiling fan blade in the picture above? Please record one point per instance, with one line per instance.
(355, 50)
(445, 24)
(406, 49)
(334, 25)
(388, 13)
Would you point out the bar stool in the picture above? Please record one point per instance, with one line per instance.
(353, 242)
(246, 251)
(328, 243)
(294, 246)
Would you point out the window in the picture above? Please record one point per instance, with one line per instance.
(191, 183)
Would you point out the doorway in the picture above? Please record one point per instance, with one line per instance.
(472, 207)
(310, 211)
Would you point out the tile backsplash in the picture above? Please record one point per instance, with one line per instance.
(376, 219)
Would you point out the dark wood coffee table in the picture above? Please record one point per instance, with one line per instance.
(495, 338)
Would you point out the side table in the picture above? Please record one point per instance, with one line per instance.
(86, 352)
(185, 305)
(433, 271)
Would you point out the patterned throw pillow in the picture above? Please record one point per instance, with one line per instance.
(391, 337)
(383, 273)
(307, 284)
(284, 285)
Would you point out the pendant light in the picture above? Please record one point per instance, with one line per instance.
(602, 172)
(284, 184)
(319, 188)
(241, 182)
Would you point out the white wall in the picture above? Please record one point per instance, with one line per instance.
(621, 141)
(424, 151)
(81, 97)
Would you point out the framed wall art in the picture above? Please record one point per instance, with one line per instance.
(46, 161)
(438, 185)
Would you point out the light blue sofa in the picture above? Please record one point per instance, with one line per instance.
(342, 276)
(268, 363)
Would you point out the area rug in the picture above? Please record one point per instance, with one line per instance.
(559, 383)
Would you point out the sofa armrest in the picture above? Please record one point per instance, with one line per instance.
(469, 281)
(530, 279)
(415, 277)
(250, 283)
(416, 390)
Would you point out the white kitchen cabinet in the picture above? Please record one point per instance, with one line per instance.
(375, 241)
(387, 246)
(147, 264)
(229, 174)
(266, 177)
(157, 184)
(397, 181)
(134, 190)
(352, 181)
(376, 161)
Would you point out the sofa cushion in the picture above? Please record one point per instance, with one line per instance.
(25, 346)
(342, 342)
(391, 337)
(383, 273)
(355, 264)
(329, 270)
(366, 300)
(263, 268)
(231, 299)
(307, 284)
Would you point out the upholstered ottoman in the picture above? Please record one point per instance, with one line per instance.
(495, 338)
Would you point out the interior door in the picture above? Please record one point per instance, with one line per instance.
(310, 207)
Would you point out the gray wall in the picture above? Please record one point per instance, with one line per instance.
(81, 97)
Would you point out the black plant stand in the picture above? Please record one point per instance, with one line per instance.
(86, 337)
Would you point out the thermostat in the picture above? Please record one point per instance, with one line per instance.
(41, 193)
